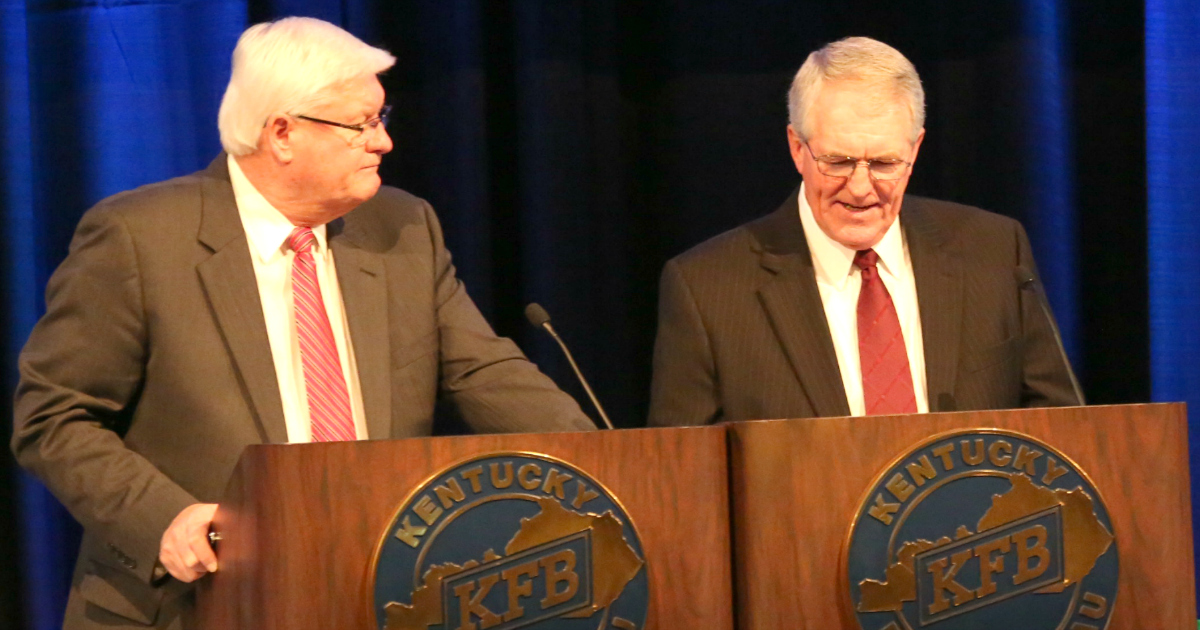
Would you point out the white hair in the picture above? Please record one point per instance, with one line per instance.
(885, 74)
(287, 66)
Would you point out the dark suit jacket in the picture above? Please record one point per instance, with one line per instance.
(742, 332)
(151, 369)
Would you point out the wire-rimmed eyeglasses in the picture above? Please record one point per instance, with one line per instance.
(362, 129)
(843, 166)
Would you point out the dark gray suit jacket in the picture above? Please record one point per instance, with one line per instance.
(151, 369)
(742, 332)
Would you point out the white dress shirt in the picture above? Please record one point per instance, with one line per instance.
(267, 231)
(839, 282)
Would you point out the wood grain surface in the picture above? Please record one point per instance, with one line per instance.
(797, 485)
(301, 522)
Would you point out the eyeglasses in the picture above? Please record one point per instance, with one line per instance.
(362, 130)
(880, 170)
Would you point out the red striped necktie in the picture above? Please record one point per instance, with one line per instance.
(324, 383)
(883, 357)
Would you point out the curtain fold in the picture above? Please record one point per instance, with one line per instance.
(1049, 160)
(1172, 151)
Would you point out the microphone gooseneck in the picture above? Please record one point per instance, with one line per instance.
(539, 318)
(1026, 280)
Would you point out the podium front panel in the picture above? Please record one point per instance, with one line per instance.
(1084, 521)
(305, 527)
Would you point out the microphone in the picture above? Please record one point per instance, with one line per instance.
(539, 318)
(1026, 280)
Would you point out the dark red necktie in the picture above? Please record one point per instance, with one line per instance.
(883, 358)
(324, 383)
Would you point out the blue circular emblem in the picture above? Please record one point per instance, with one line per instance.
(506, 541)
(981, 530)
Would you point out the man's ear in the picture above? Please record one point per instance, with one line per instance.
(277, 137)
(795, 147)
(917, 145)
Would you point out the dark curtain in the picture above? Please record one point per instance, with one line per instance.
(571, 147)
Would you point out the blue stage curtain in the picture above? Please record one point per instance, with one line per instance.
(45, 576)
(98, 97)
(1172, 153)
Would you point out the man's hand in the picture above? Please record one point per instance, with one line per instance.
(185, 552)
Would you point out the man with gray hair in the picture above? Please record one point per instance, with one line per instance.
(838, 304)
(280, 295)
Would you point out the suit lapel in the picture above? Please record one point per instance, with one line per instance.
(793, 306)
(937, 270)
(365, 296)
(232, 289)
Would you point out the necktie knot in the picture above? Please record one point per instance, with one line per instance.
(301, 240)
(866, 259)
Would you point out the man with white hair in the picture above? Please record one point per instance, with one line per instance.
(838, 303)
(280, 295)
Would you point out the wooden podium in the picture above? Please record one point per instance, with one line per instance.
(798, 485)
(300, 523)
(760, 513)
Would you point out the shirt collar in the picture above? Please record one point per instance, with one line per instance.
(834, 262)
(266, 228)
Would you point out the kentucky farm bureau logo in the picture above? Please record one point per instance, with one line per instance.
(982, 530)
(508, 541)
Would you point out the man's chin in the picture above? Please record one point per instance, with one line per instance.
(860, 238)
(369, 188)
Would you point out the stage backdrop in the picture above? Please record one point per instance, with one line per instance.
(571, 147)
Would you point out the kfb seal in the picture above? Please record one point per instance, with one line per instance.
(982, 529)
(506, 541)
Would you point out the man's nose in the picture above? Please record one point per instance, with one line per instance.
(381, 142)
(859, 183)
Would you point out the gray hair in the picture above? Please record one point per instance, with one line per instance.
(287, 66)
(885, 73)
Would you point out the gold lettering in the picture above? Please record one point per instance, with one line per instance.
(1079, 625)
(473, 475)
(921, 470)
(976, 458)
(943, 580)
(583, 494)
(409, 534)
(899, 487)
(554, 482)
(883, 511)
(1099, 606)
(499, 482)
(556, 576)
(1025, 459)
(944, 451)
(517, 588)
(1053, 471)
(1027, 552)
(427, 510)
(473, 606)
(623, 624)
(449, 493)
(529, 476)
(994, 453)
(989, 565)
